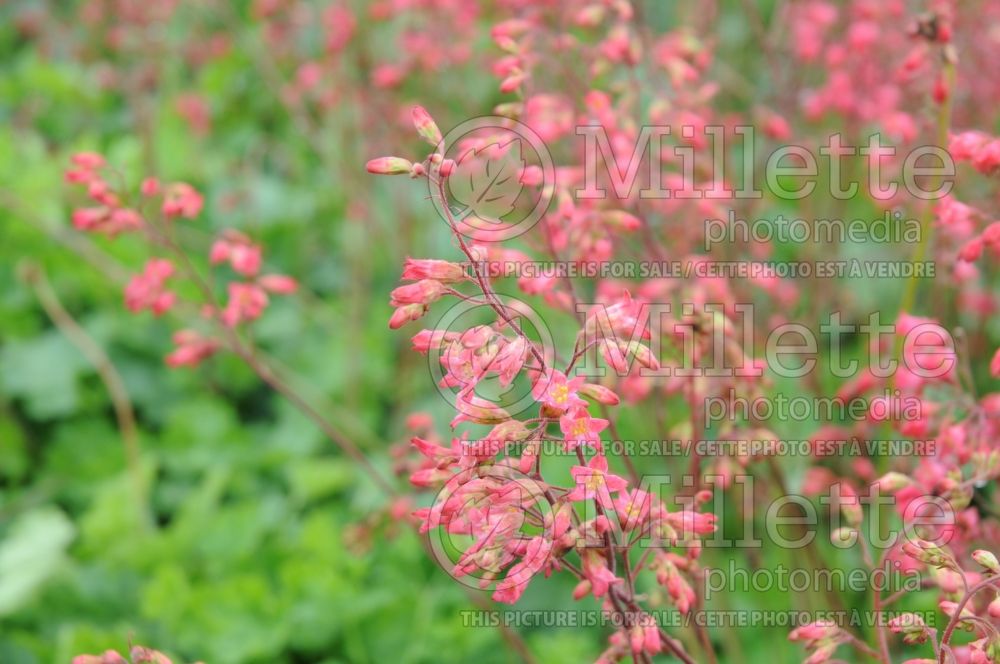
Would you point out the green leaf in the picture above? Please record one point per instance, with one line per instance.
(31, 554)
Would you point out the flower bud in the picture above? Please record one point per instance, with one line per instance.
(642, 354)
(425, 125)
(911, 626)
(424, 291)
(389, 166)
(447, 167)
(994, 608)
(88, 160)
(893, 482)
(987, 560)
(622, 220)
(405, 314)
(150, 187)
(600, 394)
(278, 283)
(430, 268)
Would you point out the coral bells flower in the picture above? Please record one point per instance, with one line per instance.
(86, 166)
(246, 303)
(279, 284)
(429, 268)
(109, 221)
(593, 481)
(911, 626)
(597, 575)
(510, 360)
(406, 314)
(978, 148)
(558, 392)
(669, 576)
(645, 636)
(141, 655)
(243, 255)
(633, 508)
(182, 200)
(88, 160)
(510, 589)
(150, 187)
(424, 291)
(690, 523)
(820, 637)
(191, 349)
(579, 428)
(108, 657)
(476, 409)
(146, 291)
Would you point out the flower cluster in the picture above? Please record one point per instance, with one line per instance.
(495, 487)
(137, 655)
(151, 213)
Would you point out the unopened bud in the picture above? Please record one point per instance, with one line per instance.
(425, 125)
(600, 394)
(389, 166)
(987, 560)
(893, 482)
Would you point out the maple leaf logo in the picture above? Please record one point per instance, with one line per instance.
(488, 188)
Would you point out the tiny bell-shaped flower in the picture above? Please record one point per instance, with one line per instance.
(406, 313)
(911, 626)
(431, 268)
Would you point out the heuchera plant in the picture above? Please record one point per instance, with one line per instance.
(486, 497)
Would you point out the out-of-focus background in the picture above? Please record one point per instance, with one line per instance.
(253, 538)
(230, 530)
